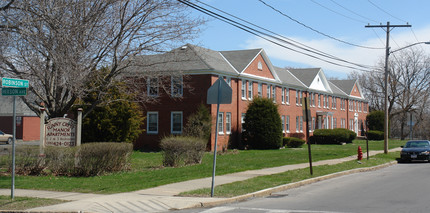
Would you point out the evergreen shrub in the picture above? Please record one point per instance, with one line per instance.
(263, 126)
(375, 135)
(293, 142)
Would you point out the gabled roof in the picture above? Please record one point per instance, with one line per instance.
(307, 75)
(240, 59)
(288, 78)
(345, 85)
(336, 91)
(185, 58)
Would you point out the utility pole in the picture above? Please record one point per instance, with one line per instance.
(387, 54)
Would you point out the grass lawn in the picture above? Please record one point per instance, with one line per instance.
(268, 181)
(147, 170)
(23, 203)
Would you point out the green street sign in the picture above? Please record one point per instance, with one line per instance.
(8, 91)
(13, 82)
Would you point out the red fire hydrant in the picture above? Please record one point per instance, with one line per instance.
(360, 153)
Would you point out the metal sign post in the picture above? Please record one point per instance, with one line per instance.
(14, 87)
(219, 93)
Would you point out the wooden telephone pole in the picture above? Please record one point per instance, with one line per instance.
(387, 54)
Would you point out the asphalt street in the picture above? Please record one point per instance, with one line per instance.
(399, 188)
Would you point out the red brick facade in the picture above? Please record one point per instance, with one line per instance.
(347, 111)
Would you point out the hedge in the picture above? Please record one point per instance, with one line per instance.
(375, 135)
(332, 136)
(293, 142)
(90, 159)
(182, 150)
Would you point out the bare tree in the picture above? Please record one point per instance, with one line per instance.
(408, 89)
(58, 45)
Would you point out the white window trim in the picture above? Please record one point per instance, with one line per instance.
(243, 89)
(250, 85)
(287, 124)
(287, 96)
(147, 122)
(228, 130)
(171, 122)
(274, 93)
(269, 90)
(260, 90)
(221, 120)
(283, 123)
(283, 96)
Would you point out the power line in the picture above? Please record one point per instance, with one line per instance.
(317, 31)
(308, 47)
(333, 11)
(386, 11)
(352, 11)
(262, 35)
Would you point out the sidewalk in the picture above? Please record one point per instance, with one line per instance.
(164, 198)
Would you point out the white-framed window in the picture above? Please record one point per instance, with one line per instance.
(283, 96)
(360, 106)
(300, 97)
(221, 123)
(287, 123)
(283, 123)
(297, 123)
(301, 123)
(287, 96)
(328, 102)
(324, 99)
(274, 93)
(334, 102)
(334, 123)
(228, 122)
(250, 90)
(268, 91)
(260, 66)
(319, 100)
(176, 123)
(152, 123)
(242, 121)
(313, 124)
(297, 97)
(152, 87)
(177, 86)
(260, 90)
(243, 89)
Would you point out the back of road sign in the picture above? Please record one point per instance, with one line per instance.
(220, 86)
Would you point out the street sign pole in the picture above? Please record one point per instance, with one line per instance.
(12, 193)
(219, 93)
(216, 141)
(14, 87)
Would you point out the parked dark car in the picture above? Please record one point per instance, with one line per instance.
(416, 150)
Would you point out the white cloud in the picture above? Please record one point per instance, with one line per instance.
(358, 55)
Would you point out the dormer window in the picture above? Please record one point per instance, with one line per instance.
(260, 66)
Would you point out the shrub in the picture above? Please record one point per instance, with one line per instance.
(375, 135)
(292, 142)
(297, 135)
(375, 120)
(98, 158)
(182, 150)
(199, 123)
(87, 160)
(27, 160)
(332, 136)
(262, 125)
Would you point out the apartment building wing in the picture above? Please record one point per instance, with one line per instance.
(250, 73)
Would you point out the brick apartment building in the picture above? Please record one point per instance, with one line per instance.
(250, 73)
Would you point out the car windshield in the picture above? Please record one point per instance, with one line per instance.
(417, 144)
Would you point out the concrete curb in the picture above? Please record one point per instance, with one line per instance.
(269, 191)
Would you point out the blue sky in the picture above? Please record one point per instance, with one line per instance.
(344, 20)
